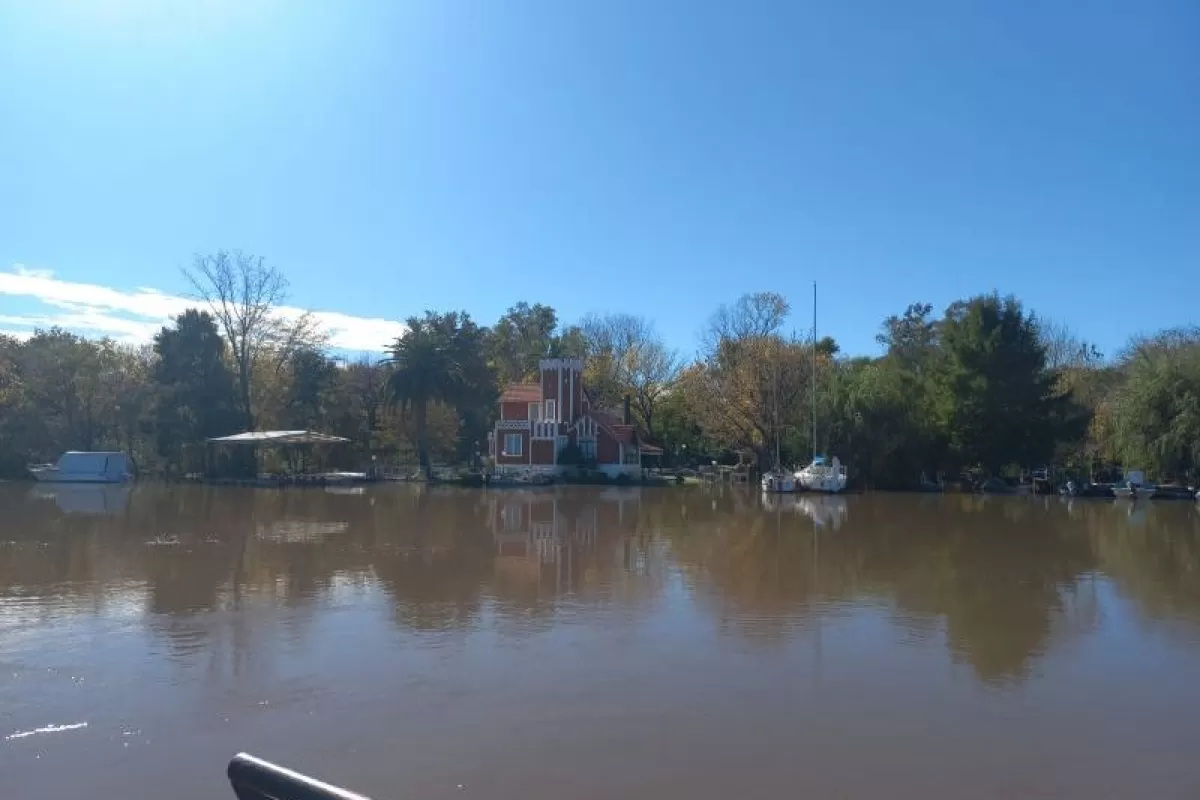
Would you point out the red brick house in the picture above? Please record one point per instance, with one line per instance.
(538, 420)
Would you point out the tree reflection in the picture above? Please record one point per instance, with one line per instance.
(1003, 580)
(995, 575)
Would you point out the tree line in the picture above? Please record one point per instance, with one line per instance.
(987, 385)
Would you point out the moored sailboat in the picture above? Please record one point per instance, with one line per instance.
(819, 476)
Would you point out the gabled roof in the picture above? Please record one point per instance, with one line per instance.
(522, 393)
(612, 426)
(623, 433)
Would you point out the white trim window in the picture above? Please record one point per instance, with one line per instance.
(587, 449)
(550, 411)
(535, 412)
(513, 444)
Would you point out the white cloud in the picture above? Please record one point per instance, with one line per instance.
(30, 272)
(135, 316)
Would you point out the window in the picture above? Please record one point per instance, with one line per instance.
(513, 444)
(535, 411)
(587, 449)
(550, 410)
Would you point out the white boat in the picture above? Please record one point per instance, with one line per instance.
(778, 481)
(1135, 486)
(85, 467)
(820, 476)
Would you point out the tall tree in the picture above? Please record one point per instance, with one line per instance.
(312, 378)
(626, 356)
(196, 397)
(997, 401)
(129, 384)
(61, 373)
(519, 339)
(752, 383)
(911, 337)
(16, 421)
(1156, 412)
(440, 358)
(244, 294)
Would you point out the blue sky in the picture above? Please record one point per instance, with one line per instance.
(657, 158)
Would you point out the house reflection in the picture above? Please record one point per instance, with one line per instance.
(552, 539)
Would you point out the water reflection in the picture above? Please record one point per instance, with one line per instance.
(84, 498)
(823, 510)
(1003, 576)
(229, 598)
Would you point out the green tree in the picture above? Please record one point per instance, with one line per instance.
(62, 377)
(519, 339)
(1156, 412)
(995, 399)
(440, 358)
(196, 397)
(15, 420)
(312, 379)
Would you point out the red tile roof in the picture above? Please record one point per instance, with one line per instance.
(623, 433)
(612, 424)
(605, 417)
(522, 393)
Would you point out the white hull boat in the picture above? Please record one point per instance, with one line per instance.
(822, 477)
(84, 467)
(819, 476)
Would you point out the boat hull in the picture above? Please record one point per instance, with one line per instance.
(824, 484)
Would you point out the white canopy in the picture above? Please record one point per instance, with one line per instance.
(278, 438)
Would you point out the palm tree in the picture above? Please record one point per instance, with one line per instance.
(440, 358)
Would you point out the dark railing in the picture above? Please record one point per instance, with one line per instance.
(255, 779)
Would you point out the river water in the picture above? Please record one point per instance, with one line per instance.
(579, 643)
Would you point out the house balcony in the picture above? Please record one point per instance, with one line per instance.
(545, 430)
(512, 425)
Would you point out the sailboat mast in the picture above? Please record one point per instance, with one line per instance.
(776, 393)
(814, 374)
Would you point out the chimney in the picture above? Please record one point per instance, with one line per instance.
(628, 417)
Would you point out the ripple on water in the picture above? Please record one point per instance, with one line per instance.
(71, 726)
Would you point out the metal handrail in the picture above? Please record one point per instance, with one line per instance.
(253, 778)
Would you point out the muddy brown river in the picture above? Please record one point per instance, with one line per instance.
(580, 643)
